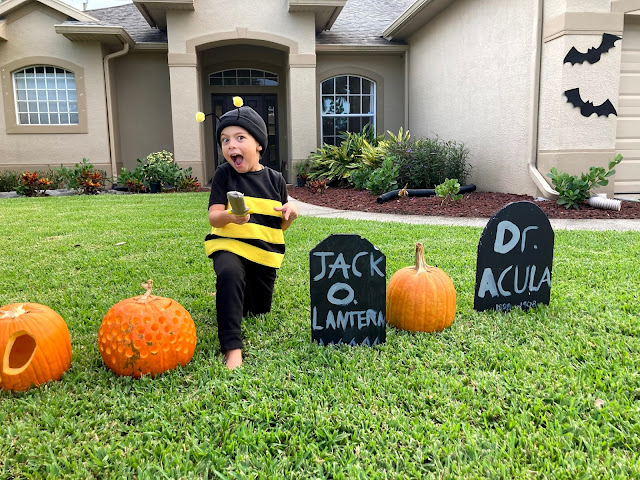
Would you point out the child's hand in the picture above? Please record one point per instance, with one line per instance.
(238, 219)
(289, 214)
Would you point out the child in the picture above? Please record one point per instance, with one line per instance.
(246, 250)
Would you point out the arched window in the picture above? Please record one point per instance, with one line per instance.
(347, 105)
(45, 95)
(243, 77)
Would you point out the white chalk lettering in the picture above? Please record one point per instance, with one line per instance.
(336, 287)
(515, 280)
(342, 320)
(500, 247)
(502, 290)
(314, 323)
(356, 272)
(340, 264)
(322, 255)
(374, 265)
(488, 282)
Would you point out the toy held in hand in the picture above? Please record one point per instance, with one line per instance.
(238, 207)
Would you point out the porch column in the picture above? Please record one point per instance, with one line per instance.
(185, 94)
(302, 106)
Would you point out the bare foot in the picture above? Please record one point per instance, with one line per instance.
(233, 358)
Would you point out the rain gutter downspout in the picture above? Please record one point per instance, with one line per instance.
(110, 127)
(536, 176)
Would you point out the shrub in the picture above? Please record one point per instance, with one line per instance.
(33, 185)
(335, 163)
(449, 189)
(427, 162)
(9, 180)
(574, 190)
(160, 167)
(359, 178)
(383, 179)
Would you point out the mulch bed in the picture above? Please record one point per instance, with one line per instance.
(475, 204)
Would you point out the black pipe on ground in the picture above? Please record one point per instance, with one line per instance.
(420, 192)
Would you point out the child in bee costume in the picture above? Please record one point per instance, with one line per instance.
(247, 247)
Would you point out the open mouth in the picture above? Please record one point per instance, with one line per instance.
(237, 160)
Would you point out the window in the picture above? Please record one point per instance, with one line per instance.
(243, 77)
(45, 95)
(347, 105)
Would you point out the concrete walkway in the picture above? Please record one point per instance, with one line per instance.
(308, 210)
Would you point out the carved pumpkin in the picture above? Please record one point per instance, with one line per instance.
(146, 334)
(421, 298)
(35, 346)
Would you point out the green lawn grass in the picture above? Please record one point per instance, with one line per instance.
(550, 393)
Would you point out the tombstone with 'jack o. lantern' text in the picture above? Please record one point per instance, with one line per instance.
(348, 292)
(515, 256)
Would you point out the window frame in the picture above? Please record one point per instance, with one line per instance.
(9, 95)
(373, 102)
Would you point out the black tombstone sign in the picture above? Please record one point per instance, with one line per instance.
(515, 256)
(348, 292)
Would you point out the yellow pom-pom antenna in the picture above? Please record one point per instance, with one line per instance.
(238, 102)
(200, 117)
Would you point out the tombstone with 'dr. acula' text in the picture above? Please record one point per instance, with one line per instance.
(348, 292)
(515, 256)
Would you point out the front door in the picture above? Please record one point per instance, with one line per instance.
(266, 106)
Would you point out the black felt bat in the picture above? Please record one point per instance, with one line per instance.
(606, 108)
(593, 54)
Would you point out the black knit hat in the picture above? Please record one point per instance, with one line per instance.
(247, 118)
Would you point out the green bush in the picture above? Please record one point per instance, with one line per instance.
(9, 180)
(335, 163)
(383, 179)
(359, 178)
(428, 162)
(450, 188)
(160, 167)
(574, 190)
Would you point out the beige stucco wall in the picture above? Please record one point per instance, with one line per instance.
(142, 101)
(471, 79)
(387, 71)
(31, 34)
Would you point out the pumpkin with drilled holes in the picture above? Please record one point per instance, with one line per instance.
(35, 346)
(146, 335)
(421, 298)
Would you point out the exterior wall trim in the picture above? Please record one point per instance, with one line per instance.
(262, 38)
(182, 59)
(12, 127)
(625, 6)
(583, 23)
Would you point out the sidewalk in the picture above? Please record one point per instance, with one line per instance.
(308, 210)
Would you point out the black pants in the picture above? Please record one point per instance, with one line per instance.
(242, 288)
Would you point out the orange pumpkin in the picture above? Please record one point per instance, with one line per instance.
(35, 346)
(421, 298)
(146, 334)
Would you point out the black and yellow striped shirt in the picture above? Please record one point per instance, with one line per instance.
(261, 239)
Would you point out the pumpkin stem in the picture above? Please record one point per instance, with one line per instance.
(421, 264)
(14, 312)
(148, 286)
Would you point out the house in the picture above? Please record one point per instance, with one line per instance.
(115, 84)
